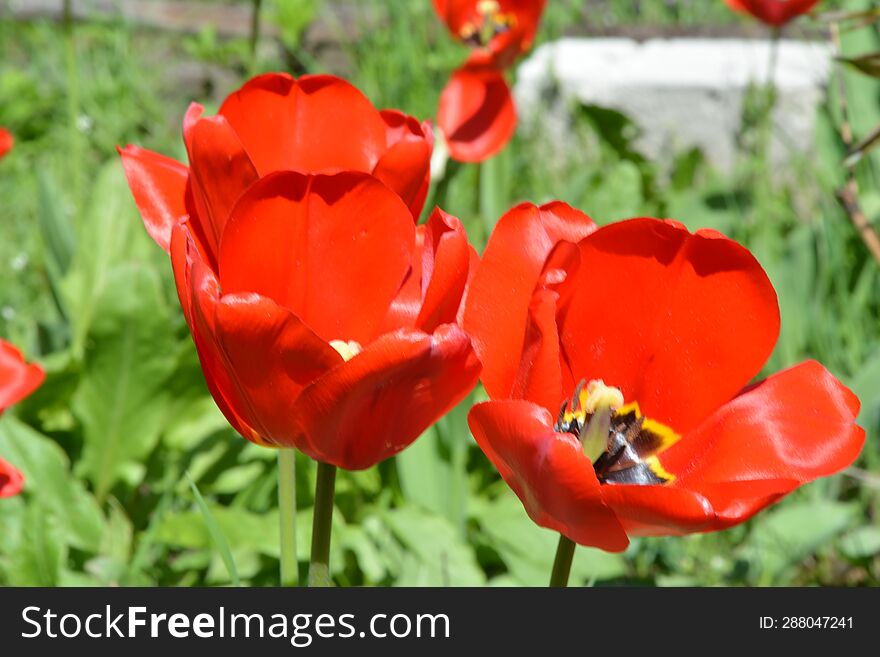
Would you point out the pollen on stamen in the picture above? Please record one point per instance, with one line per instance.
(601, 396)
(488, 7)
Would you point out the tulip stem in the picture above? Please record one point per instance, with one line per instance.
(254, 41)
(322, 524)
(75, 160)
(562, 563)
(287, 514)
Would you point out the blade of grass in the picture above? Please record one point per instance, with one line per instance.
(216, 534)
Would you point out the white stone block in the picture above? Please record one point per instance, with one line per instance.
(681, 92)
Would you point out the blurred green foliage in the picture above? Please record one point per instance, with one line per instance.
(133, 476)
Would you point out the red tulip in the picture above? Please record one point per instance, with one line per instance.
(324, 318)
(6, 142)
(17, 380)
(676, 325)
(773, 12)
(11, 480)
(317, 123)
(476, 113)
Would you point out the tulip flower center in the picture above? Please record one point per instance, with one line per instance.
(622, 444)
(347, 349)
(488, 23)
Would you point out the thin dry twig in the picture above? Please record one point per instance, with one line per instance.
(863, 476)
(849, 195)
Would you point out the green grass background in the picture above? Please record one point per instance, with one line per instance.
(124, 414)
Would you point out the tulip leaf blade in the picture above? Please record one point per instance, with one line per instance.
(216, 534)
(47, 476)
(122, 397)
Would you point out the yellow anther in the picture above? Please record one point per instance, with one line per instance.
(599, 396)
(600, 402)
(347, 350)
(488, 7)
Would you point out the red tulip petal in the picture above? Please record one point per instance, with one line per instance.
(181, 265)
(272, 356)
(203, 298)
(381, 400)
(679, 322)
(158, 184)
(334, 249)
(789, 429)
(221, 172)
(406, 166)
(476, 113)
(736, 501)
(548, 471)
(11, 480)
(315, 123)
(18, 379)
(404, 308)
(658, 510)
(445, 266)
(499, 297)
(539, 377)
(6, 142)
(773, 12)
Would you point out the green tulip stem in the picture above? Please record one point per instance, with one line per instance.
(287, 514)
(254, 40)
(562, 563)
(322, 524)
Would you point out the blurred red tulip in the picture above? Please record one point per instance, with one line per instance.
(11, 480)
(476, 113)
(775, 13)
(6, 142)
(669, 327)
(324, 318)
(18, 379)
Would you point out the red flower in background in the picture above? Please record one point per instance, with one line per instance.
(669, 327)
(773, 12)
(476, 113)
(6, 142)
(324, 318)
(18, 379)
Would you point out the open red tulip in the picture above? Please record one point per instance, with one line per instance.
(314, 124)
(6, 142)
(775, 13)
(668, 328)
(476, 114)
(18, 379)
(324, 318)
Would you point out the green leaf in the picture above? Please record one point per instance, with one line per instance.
(109, 232)
(425, 477)
(47, 478)
(56, 232)
(866, 385)
(783, 538)
(41, 553)
(241, 529)
(494, 185)
(215, 532)
(438, 557)
(528, 550)
(122, 398)
(192, 415)
(868, 64)
(861, 543)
